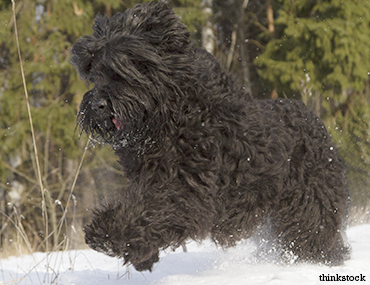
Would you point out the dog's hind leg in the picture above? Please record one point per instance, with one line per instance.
(311, 215)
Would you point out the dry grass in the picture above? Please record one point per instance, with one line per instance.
(22, 244)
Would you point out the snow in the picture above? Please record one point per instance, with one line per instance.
(202, 264)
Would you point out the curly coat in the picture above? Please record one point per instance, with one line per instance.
(204, 159)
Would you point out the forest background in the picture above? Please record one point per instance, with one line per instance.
(317, 51)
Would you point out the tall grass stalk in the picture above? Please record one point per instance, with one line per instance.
(46, 201)
(38, 171)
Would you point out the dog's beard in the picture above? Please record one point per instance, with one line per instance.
(124, 121)
(102, 128)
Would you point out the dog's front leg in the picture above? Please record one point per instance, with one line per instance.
(138, 226)
(123, 231)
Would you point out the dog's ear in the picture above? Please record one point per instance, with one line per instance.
(83, 55)
(86, 49)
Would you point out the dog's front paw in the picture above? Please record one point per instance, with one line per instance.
(98, 240)
(113, 233)
(135, 250)
(146, 264)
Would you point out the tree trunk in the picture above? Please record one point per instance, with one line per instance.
(241, 6)
(270, 17)
(208, 37)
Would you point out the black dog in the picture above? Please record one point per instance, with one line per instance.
(204, 159)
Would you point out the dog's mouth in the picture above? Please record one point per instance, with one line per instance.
(118, 123)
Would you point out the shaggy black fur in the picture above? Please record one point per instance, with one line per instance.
(204, 158)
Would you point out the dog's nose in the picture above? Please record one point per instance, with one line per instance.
(99, 105)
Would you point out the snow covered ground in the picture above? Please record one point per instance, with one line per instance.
(202, 264)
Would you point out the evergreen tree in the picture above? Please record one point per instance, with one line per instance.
(239, 24)
(324, 41)
(320, 54)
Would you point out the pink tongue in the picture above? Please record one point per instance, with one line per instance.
(116, 123)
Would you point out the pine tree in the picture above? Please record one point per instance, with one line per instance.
(320, 54)
(239, 24)
(322, 40)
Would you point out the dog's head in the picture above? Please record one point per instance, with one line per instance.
(131, 59)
